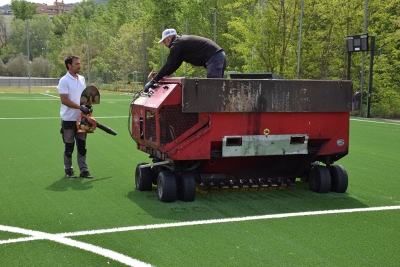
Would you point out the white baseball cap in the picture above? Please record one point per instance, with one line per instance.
(166, 33)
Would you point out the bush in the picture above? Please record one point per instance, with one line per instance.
(387, 104)
(41, 67)
(18, 66)
(3, 69)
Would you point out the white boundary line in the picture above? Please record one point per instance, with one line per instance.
(62, 237)
(114, 117)
(375, 121)
(227, 220)
(55, 96)
(36, 235)
(52, 97)
(58, 118)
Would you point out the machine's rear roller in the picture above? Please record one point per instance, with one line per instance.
(166, 186)
(232, 185)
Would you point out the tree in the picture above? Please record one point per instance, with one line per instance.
(3, 32)
(22, 9)
(18, 66)
(61, 22)
(3, 69)
(264, 35)
(41, 36)
(126, 50)
(41, 67)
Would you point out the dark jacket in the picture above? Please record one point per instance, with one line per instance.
(192, 49)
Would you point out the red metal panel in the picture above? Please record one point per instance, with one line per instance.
(328, 131)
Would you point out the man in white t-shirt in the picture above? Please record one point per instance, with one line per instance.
(70, 88)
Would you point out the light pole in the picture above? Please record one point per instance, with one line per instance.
(363, 55)
(300, 35)
(29, 60)
(88, 34)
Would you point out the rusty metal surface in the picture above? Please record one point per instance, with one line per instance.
(264, 145)
(237, 95)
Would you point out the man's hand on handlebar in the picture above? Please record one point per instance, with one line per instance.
(148, 86)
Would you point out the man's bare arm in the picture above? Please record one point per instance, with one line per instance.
(65, 101)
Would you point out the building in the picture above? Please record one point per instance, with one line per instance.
(51, 10)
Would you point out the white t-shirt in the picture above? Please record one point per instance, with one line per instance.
(74, 88)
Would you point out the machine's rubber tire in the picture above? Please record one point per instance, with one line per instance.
(187, 187)
(166, 186)
(319, 179)
(143, 178)
(340, 179)
(156, 170)
(306, 173)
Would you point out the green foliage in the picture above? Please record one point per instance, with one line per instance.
(61, 22)
(22, 9)
(3, 31)
(41, 67)
(256, 35)
(18, 66)
(127, 49)
(385, 25)
(86, 9)
(41, 36)
(3, 68)
(99, 65)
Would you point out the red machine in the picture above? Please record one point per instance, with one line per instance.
(241, 134)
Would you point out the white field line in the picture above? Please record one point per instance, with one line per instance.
(62, 237)
(29, 99)
(36, 235)
(55, 98)
(227, 220)
(52, 97)
(58, 118)
(180, 224)
(380, 122)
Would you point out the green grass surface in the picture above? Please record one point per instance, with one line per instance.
(34, 195)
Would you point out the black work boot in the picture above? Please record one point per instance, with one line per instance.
(86, 174)
(70, 173)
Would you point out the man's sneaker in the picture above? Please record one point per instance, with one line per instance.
(86, 174)
(70, 173)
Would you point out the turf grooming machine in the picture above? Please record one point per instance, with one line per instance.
(216, 135)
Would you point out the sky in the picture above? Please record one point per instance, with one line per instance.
(48, 2)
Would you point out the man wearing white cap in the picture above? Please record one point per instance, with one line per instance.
(196, 50)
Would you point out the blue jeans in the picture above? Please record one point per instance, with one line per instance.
(216, 65)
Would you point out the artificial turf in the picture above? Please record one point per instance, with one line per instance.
(35, 195)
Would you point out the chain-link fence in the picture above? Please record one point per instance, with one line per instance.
(26, 81)
(118, 82)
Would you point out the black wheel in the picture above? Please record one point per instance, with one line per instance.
(156, 170)
(143, 178)
(306, 173)
(339, 177)
(319, 179)
(187, 187)
(166, 186)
